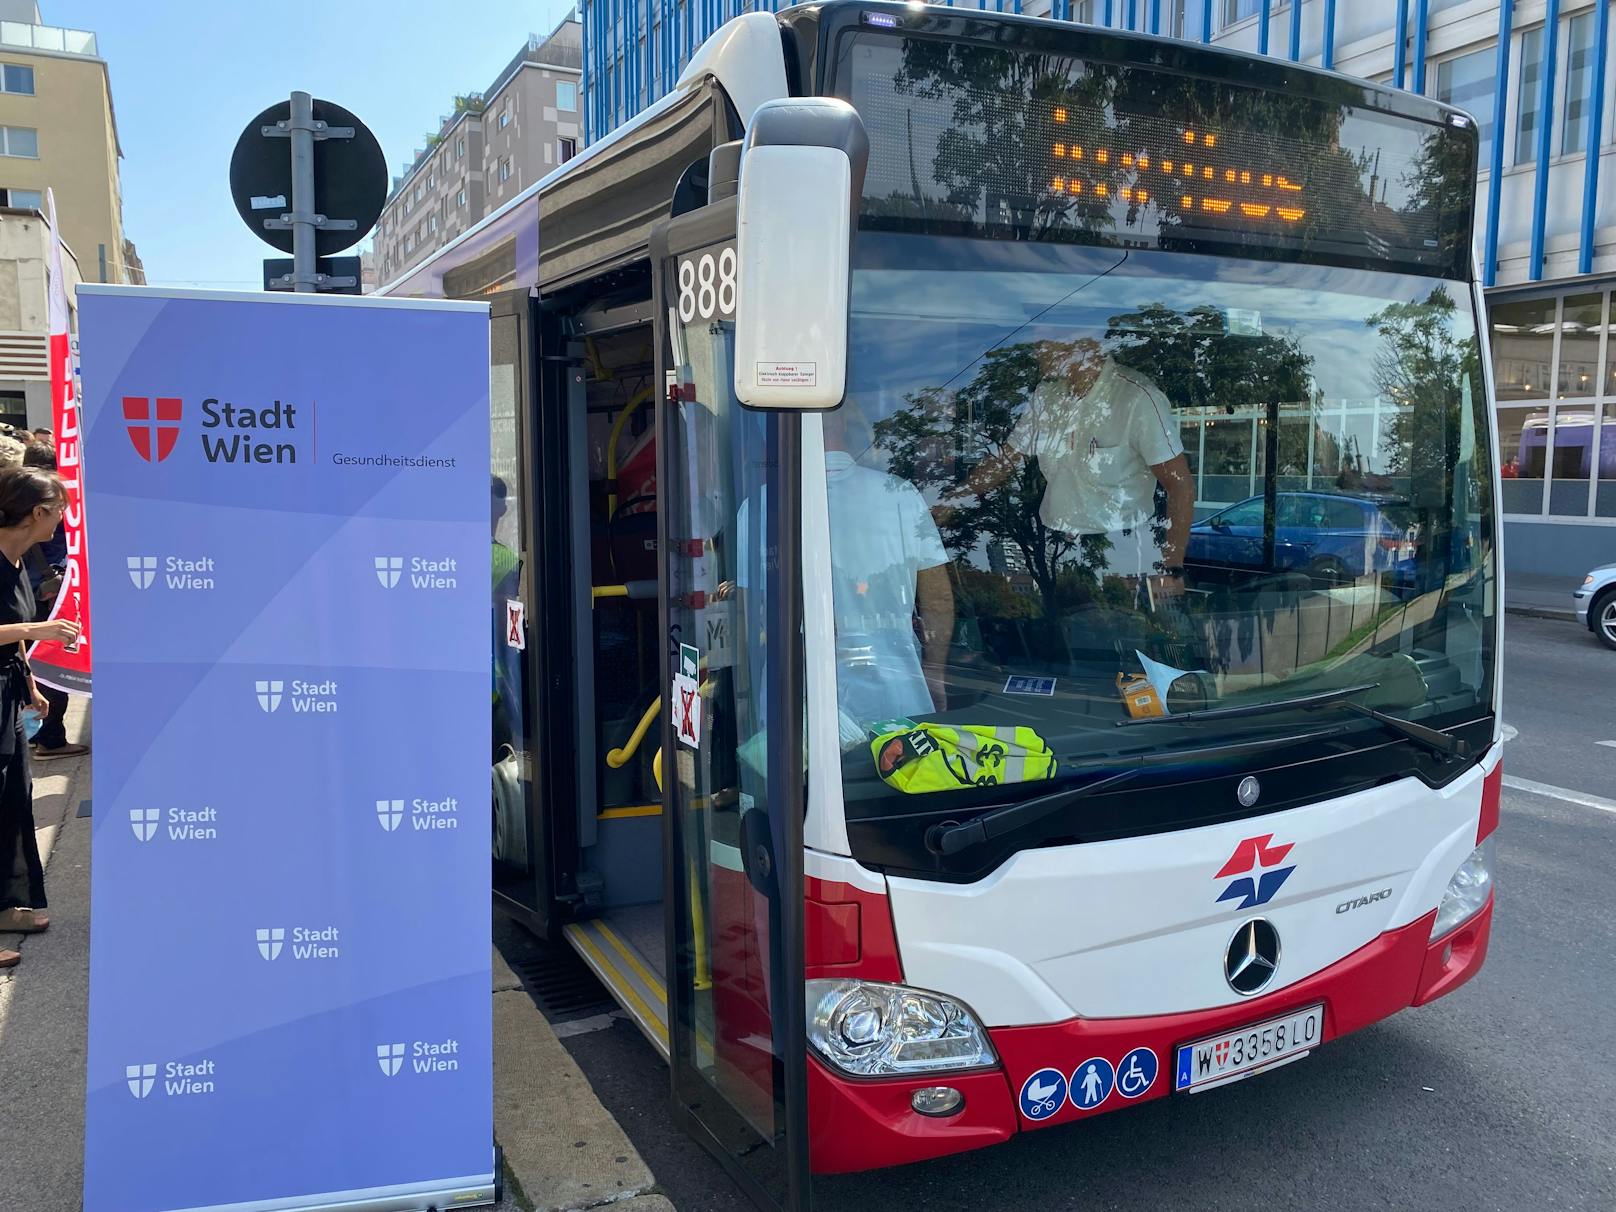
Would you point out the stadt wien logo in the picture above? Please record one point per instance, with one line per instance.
(269, 694)
(142, 570)
(141, 1079)
(270, 942)
(153, 425)
(144, 822)
(389, 569)
(1255, 853)
(389, 813)
(391, 1058)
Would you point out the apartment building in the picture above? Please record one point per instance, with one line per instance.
(492, 145)
(1536, 76)
(57, 130)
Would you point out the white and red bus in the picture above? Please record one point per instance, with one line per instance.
(1080, 444)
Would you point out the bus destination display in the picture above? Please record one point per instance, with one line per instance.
(986, 141)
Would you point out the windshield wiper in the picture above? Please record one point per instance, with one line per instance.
(953, 837)
(1438, 742)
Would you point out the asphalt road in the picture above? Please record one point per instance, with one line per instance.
(1501, 1096)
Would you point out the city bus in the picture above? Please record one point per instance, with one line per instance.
(869, 385)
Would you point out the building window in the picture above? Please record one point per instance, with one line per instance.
(460, 148)
(21, 199)
(15, 78)
(432, 180)
(461, 199)
(504, 118)
(1579, 72)
(1239, 10)
(567, 149)
(19, 141)
(505, 170)
(409, 242)
(566, 95)
(420, 191)
(432, 225)
(1531, 81)
(1557, 405)
(1467, 82)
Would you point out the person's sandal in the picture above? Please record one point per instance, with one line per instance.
(9, 959)
(23, 921)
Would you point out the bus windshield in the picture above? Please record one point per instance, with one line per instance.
(1037, 437)
(1165, 409)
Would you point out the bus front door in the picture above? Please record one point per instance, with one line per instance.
(732, 786)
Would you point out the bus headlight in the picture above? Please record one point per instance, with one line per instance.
(1467, 891)
(870, 1030)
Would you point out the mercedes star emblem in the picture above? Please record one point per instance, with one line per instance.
(1253, 957)
(1248, 791)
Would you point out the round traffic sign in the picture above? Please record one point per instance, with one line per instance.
(350, 178)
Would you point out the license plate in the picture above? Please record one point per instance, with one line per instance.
(1236, 1054)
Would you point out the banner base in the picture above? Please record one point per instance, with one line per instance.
(438, 1196)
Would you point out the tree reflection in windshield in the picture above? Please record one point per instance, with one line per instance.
(1331, 433)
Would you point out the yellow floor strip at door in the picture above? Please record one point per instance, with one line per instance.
(597, 946)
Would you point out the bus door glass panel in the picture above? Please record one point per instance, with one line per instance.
(514, 853)
(723, 897)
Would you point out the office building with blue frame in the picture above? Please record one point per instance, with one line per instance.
(1535, 74)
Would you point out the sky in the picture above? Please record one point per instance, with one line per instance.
(188, 75)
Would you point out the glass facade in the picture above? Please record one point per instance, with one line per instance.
(1556, 410)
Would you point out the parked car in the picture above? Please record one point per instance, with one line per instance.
(1331, 536)
(1596, 603)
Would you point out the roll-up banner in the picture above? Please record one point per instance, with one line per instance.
(289, 954)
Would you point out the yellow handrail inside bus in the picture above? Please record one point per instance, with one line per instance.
(639, 397)
(656, 768)
(596, 592)
(698, 928)
(617, 758)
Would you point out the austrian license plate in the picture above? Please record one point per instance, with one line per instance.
(1229, 1057)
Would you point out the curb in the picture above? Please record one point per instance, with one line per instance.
(562, 1148)
(1543, 612)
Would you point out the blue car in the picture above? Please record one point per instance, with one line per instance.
(1331, 536)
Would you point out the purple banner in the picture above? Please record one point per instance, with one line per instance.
(289, 965)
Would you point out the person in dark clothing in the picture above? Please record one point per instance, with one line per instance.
(31, 504)
(45, 563)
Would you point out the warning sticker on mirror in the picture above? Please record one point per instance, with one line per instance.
(787, 374)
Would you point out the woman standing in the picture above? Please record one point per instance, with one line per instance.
(31, 503)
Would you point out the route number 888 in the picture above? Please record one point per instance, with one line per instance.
(707, 286)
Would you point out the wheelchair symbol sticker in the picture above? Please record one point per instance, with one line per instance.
(1136, 1073)
(1043, 1094)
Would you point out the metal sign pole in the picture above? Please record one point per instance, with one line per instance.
(310, 229)
(302, 216)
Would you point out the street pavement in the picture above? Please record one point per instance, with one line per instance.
(1500, 1096)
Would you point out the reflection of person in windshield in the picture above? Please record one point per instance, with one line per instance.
(888, 564)
(1104, 436)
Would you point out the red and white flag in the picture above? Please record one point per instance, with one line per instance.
(66, 668)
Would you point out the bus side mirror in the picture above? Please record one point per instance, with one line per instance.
(802, 171)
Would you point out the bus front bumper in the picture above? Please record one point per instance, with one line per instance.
(867, 1124)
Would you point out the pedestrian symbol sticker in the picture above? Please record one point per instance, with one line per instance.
(1043, 1093)
(1092, 1082)
(1136, 1073)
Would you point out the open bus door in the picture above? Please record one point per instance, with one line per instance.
(751, 308)
(732, 816)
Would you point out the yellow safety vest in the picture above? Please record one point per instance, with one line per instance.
(941, 757)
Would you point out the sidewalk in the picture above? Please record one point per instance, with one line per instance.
(563, 1150)
(1540, 595)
